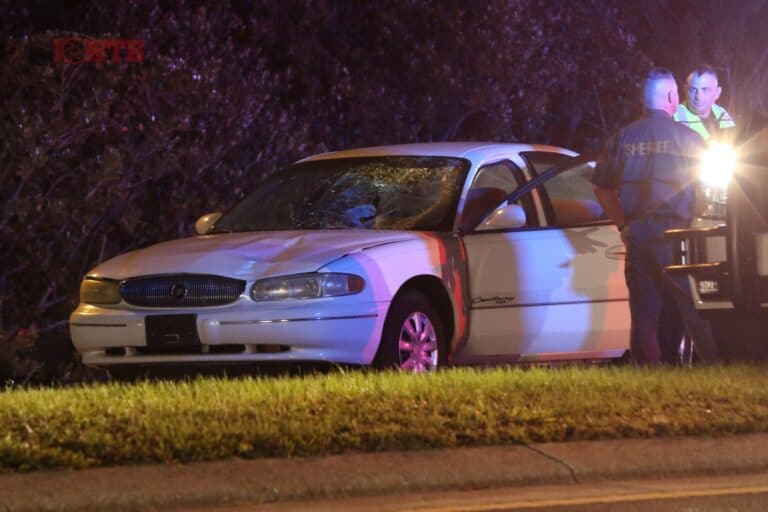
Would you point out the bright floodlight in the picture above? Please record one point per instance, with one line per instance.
(718, 165)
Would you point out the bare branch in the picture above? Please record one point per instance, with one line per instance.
(600, 110)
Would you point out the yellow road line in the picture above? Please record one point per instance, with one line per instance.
(597, 500)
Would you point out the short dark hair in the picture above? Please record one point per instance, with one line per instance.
(652, 85)
(703, 69)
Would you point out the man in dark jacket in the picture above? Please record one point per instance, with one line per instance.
(644, 182)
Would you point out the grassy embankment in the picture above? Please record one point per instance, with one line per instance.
(208, 419)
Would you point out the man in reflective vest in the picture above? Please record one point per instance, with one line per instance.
(700, 113)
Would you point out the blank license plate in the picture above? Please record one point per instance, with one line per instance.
(172, 330)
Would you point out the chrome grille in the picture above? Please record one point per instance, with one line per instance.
(183, 290)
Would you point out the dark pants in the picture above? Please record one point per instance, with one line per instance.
(662, 308)
(671, 331)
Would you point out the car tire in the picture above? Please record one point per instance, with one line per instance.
(413, 339)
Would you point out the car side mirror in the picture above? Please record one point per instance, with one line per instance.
(204, 223)
(507, 217)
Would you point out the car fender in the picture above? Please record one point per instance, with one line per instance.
(423, 261)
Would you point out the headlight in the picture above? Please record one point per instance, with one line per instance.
(718, 165)
(99, 291)
(306, 286)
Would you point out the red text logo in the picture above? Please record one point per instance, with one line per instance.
(74, 50)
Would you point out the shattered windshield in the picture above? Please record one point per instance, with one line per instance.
(388, 192)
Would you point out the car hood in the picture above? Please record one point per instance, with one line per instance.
(246, 255)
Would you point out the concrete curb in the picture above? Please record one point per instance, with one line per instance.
(130, 488)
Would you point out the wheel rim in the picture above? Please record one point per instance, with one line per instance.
(686, 351)
(417, 344)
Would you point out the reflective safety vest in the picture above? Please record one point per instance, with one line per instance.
(694, 122)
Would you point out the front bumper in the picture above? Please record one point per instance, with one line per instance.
(713, 285)
(329, 330)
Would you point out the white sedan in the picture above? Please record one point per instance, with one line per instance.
(411, 256)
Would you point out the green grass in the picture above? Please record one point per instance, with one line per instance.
(207, 419)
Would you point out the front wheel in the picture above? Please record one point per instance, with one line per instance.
(414, 338)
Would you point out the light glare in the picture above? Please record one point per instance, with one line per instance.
(717, 165)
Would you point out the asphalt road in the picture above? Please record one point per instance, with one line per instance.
(744, 493)
(580, 468)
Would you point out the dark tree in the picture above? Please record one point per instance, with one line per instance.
(97, 159)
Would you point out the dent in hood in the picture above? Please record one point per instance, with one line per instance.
(246, 255)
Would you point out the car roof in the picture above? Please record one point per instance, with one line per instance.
(473, 151)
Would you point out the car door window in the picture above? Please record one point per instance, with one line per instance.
(541, 161)
(569, 199)
(492, 184)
